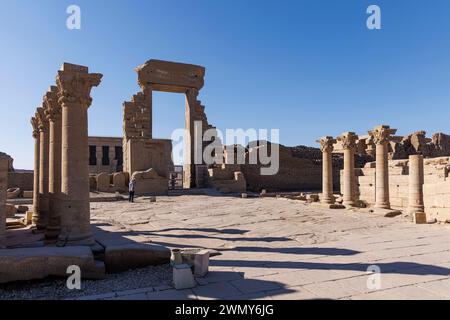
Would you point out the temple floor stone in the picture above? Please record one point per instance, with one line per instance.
(270, 249)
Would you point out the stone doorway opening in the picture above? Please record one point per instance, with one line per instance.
(169, 122)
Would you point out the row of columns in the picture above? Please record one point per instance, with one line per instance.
(61, 163)
(380, 135)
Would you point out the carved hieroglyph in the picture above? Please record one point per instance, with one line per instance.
(348, 140)
(326, 146)
(381, 135)
(74, 87)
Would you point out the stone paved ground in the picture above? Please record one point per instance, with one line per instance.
(286, 249)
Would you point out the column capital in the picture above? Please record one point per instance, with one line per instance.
(74, 84)
(381, 134)
(42, 120)
(326, 144)
(35, 125)
(348, 140)
(52, 107)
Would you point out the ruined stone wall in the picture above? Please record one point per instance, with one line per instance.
(22, 180)
(295, 172)
(436, 187)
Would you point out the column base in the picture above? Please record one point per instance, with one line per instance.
(385, 205)
(52, 232)
(75, 240)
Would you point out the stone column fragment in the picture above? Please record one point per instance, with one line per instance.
(381, 136)
(41, 219)
(348, 140)
(37, 148)
(416, 206)
(74, 85)
(53, 113)
(326, 146)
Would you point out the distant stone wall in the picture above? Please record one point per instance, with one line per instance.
(22, 180)
(436, 187)
(300, 170)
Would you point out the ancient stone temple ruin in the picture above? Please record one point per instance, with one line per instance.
(399, 178)
(141, 150)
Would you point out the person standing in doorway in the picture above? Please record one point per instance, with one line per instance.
(131, 188)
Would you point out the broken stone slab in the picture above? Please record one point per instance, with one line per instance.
(189, 254)
(201, 263)
(13, 193)
(183, 277)
(128, 256)
(40, 262)
(388, 213)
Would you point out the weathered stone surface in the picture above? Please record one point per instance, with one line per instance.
(74, 94)
(4, 162)
(124, 257)
(103, 182)
(39, 263)
(13, 193)
(150, 183)
(183, 277)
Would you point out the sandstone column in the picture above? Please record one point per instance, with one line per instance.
(416, 206)
(348, 140)
(41, 219)
(3, 187)
(74, 85)
(326, 145)
(53, 113)
(381, 135)
(37, 147)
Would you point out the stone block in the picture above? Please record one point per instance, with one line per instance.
(28, 194)
(201, 263)
(183, 277)
(41, 262)
(13, 193)
(22, 209)
(103, 182)
(119, 181)
(11, 210)
(124, 257)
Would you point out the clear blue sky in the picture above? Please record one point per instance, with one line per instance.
(308, 67)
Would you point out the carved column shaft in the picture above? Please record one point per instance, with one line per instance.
(55, 152)
(37, 148)
(74, 85)
(349, 144)
(416, 206)
(382, 177)
(326, 144)
(41, 219)
(381, 136)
